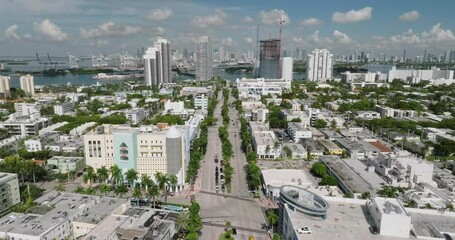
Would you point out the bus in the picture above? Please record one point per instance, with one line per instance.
(175, 209)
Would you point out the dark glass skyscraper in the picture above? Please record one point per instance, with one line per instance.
(269, 59)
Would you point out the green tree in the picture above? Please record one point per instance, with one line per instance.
(90, 191)
(320, 123)
(146, 182)
(89, 176)
(137, 193)
(319, 169)
(102, 174)
(328, 180)
(365, 195)
(60, 187)
(182, 222)
(276, 236)
(104, 189)
(173, 180)
(116, 174)
(80, 190)
(389, 191)
(162, 181)
(272, 218)
(131, 176)
(120, 190)
(153, 192)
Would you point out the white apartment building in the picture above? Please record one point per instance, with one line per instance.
(27, 108)
(415, 76)
(395, 113)
(158, 63)
(174, 107)
(63, 108)
(25, 125)
(201, 101)
(255, 88)
(5, 86)
(368, 115)
(259, 115)
(390, 217)
(319, 65)
(9, 191)
(136, 115)
(27, 84)
(298, 131)
(287, 68)
(264, 141)
(368, 77)
(147, 149)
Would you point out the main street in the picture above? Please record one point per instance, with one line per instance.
(218, 207)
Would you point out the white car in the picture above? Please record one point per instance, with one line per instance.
(304, 230)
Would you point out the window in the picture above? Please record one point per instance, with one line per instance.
(123, 152)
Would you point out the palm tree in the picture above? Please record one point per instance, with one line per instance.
(182, 222)
(162, 181)
(116, 174)
(103, 174)
(90, 191)
(80, 190)
(173, 180)
(272, 218)
(153, 192)
(120, 190)
(146, 181)
(131, 176)
(104, 189)
(60, 188)
(89, 176)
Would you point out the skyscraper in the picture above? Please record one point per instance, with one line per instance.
(286, 64)
(158, 64)
(269, 59)
(204, 59)
(5, 85)
(28, 84)
(319, 65)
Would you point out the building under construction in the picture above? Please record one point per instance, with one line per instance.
(269, 59)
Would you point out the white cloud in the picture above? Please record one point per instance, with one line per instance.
(211, 20)
(311, 22)
(109, 29)
(160, 14)
(27, 36)
(435, 35)
(316, 38)
(11, 32)
(247, 19)
(248, 39)
(50, 30)
(274, 16)
(342, 38)
(101, 42)
(228, 41)
(410, 16)
(353, 15)
(160, 30)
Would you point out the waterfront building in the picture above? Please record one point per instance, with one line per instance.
(5, 86)
(320, 65)
(269, 59)
(27, 108)
(287, 66)
(158, 63)
(204, 61)
(27, 84)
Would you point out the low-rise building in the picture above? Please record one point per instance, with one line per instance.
(255, 88)
(201, 101)
(298, 131)
(25, 125)
(67, 164)
(395, 113)
(390, 217)
(64, 108)
(298, 152)
(368, 115)
(264, 141)
(9, 191)
(331, 147)
(136, 115)
(314, 149)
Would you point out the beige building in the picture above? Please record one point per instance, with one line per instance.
(5, 85)
(28, 84)
(9, 191)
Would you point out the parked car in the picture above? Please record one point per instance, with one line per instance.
(304, 230)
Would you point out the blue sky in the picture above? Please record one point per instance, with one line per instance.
(111, 26)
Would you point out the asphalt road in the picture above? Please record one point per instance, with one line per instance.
(238, 207)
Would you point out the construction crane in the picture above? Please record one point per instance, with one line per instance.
(73, 61)
(50, 62)
(41, 63)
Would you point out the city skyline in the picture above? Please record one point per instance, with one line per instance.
(80, 25)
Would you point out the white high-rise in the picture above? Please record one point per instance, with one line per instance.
(5, 85)
(158, 63)
(204, 59)
(287, 68)
(319, 65)
(27, 84)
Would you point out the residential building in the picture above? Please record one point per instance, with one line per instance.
(264, 141)
(201, 101)
(390, 217)
(204, 61)
(269, 59)
(27, 108)
(186, 91)
(9, 191)
(415, 76)
(27, 84)
(174, 107)
(298, 131)
(368, 115)
(287, 68)
(319, 65)
(136, 115)
(331, 147)
(5, 86)
(298, 152)
(24, 125)
(148, 149)
(64, 108)
(259, 115)
(395, 113)
(158, 63)
(67, 164)
(255, 88)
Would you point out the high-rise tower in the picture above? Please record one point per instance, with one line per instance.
(204, 59)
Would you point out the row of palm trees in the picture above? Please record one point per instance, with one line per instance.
(113, 179)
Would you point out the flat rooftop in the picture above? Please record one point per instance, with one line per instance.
(329, 144)
(280, 177)
(297, 126)
(380, 146)
(345, 220)
(295, 147)
(101, 210)
(423, 222)
(372, 178)
(62, 159)
(264, 138)
(7, 176)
